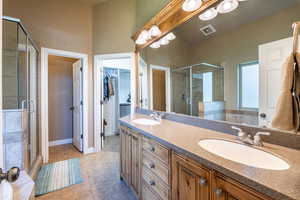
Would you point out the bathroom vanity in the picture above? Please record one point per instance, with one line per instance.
(164, 161)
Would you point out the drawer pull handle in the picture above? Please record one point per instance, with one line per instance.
(151, 166)
(152, 149)
(152, 183)
(219, 192)
(203, 181)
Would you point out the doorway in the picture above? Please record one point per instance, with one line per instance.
(64, 100)
(160, 88)
(65, 95)
(113, 84)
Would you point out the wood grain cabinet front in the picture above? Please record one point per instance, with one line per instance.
(130, 159)
(190, 180)
(155, 172)
(225, 188)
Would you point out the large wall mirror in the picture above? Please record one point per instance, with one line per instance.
(221, 66)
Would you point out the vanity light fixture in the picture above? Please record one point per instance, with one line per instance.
(227, 6)
(208, 14)
(155, 45)
(191, 5)
(170, 36)
(164, 41)
(154, 31)
(143, 37)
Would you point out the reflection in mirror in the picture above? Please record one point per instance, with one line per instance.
(225, 67)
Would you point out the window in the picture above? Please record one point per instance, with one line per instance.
(248, 85)
(207, 87)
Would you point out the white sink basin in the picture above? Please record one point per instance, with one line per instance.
(243, 154)
(144, 121)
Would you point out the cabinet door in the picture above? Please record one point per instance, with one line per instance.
(123, 153)
(190, 181)
(135, 163)
(228, 189)
(127, 158)
(187, 187)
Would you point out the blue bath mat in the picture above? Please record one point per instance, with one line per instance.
(58, 175)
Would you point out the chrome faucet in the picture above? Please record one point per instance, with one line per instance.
(243, 137)
(257, 141)
(156, 116)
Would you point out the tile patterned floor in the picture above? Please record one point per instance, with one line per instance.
(100, 172)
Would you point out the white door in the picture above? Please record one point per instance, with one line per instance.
(77, 104)
(271, 58)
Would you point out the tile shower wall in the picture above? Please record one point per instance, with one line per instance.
(15, 138)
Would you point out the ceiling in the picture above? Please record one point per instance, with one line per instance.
(247, 12)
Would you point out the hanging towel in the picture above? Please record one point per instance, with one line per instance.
(111, 87)
(285, 117)
(106, 88)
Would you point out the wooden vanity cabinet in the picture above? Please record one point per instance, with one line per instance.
(155, 172)
(190, 180)
(130, 159)
(225, 188)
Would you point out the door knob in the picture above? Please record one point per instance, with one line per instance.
(263, 115)
(72, 108)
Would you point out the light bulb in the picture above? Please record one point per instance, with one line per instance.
(170, 36)
(227, 6)
(191, 5)
(164, 41)
(208, 14)
(154, 31)
(140, 41)
(155, 45)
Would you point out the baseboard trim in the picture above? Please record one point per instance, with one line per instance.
(60, 142)
(90, 150)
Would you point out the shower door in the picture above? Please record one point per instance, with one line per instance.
(19, 97)
(181, 91)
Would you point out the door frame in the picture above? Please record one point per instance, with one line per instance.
(98, 69)
(168, 86)
(45, 52)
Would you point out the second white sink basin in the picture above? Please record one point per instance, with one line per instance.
(144, 121)
(243, 154)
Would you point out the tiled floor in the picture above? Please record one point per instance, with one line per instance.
(100, 172)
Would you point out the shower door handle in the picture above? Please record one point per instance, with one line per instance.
(23, 104)
(31, 105)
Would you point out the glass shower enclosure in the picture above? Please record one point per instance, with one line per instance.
(20, 94)
(196, 86)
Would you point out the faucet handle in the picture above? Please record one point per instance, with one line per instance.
(257, 139)
(236, 128)
(262, 133)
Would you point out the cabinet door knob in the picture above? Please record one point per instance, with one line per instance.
(151, 165)
(203, 181)
(152, 183)
(152, 149)
(219, 192)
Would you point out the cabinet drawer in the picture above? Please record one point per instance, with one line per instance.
(157, 185)
(156, 166)
(148, 194)
(156, 149)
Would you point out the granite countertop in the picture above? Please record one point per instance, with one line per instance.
(182, 138)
